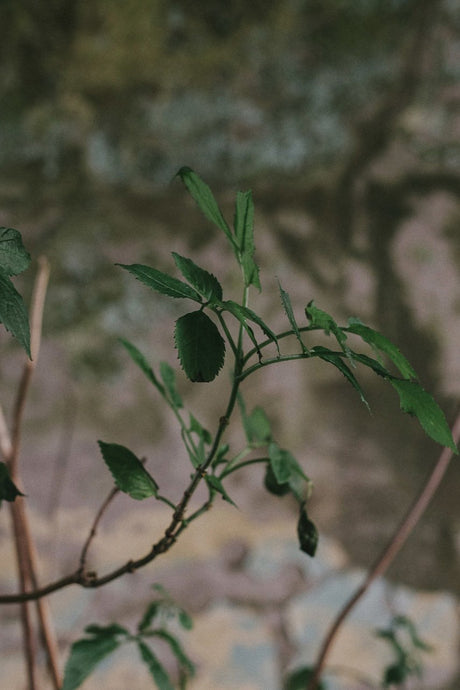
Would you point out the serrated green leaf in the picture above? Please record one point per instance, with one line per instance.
(139, 359)
(243, 314)
(203, 281)
(300, 678)
(321, 319)
(416, 401)
(381, 343)
(162, 282)
(244, 231)
(205, 200)
(182, 659)
(168, 376)
(156, 669)
(216, 484)
(200, 346)
(287, 306)
(8, 490)
(307, 533)
(85, 655)
(129, 473)
(13, 256)
(333, 358)
(13, 313)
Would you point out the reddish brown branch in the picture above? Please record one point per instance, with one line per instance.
(390, 552)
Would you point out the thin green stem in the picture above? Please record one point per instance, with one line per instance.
(227, 333)
(273, 360)
(230, 470)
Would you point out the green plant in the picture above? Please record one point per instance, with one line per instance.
(215, 330)
(407, 648)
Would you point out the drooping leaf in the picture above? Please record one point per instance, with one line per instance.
(205, 200)
(258, 426)
(321, 319)
(287, 306)
(243, 314)
(8, 490)
(307, 533)
(129, 473)
(85, 655)
(272, 485)
(156, 669)
(182, 659)
(203, 281)
(300, 678)
(372, 364)
(416, 401)
(199, 429)
(13, 256)
(168, 376)
(286, 472)
(13, 313)
(139, 359)
(200, 346)
(244, 232)
(162, 282)
(381, 343)
(216, 484)
(333, 358)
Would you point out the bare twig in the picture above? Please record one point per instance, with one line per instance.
(92, 533)
(387, 556)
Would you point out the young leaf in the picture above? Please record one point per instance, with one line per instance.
(199, 429)
(200, 346)
(13, 313)
(162, 282)
(8, 490)
(129, 473)
(216, 484)
(205, 283)
(333, 358)
(244, 231)
(168, 376)
(300, 678)
(152, 610)
(204, 198)
(85, 655)
(321, 319)
(287, 306)
(139, 359)
(184, 662)
(13, 257)
(286, 473)
(258, 426)
(416, 401)
(184, 619)
(157, 670)
(307, 533)
(379, 342)
(243, 314)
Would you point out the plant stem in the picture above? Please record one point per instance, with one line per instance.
(390, 552)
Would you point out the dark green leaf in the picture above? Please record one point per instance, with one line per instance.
(85, 655)
(286, 470)
(416, 401)
(321, 319)
(216, 484)
(13, 313)
(110, 630)
(184, 662)
(280, 462)
(157, 670)
(372, 364)
(205, 283)
(204, 198)
(185, 620)
(200, 346)
(152, 610)
(139, 359)
(335, 359)
(168, 376)
(307, 533)
(243, 314)
(395, 674)
(13, 257)
(272, 485)
(379, 342)
(162, 282)
(287, 306)
(8, 490)
(129, 473)
(299, 679)
(244, 231)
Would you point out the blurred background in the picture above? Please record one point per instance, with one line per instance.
(343, 117)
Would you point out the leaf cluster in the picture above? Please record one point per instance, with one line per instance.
(407, 648)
